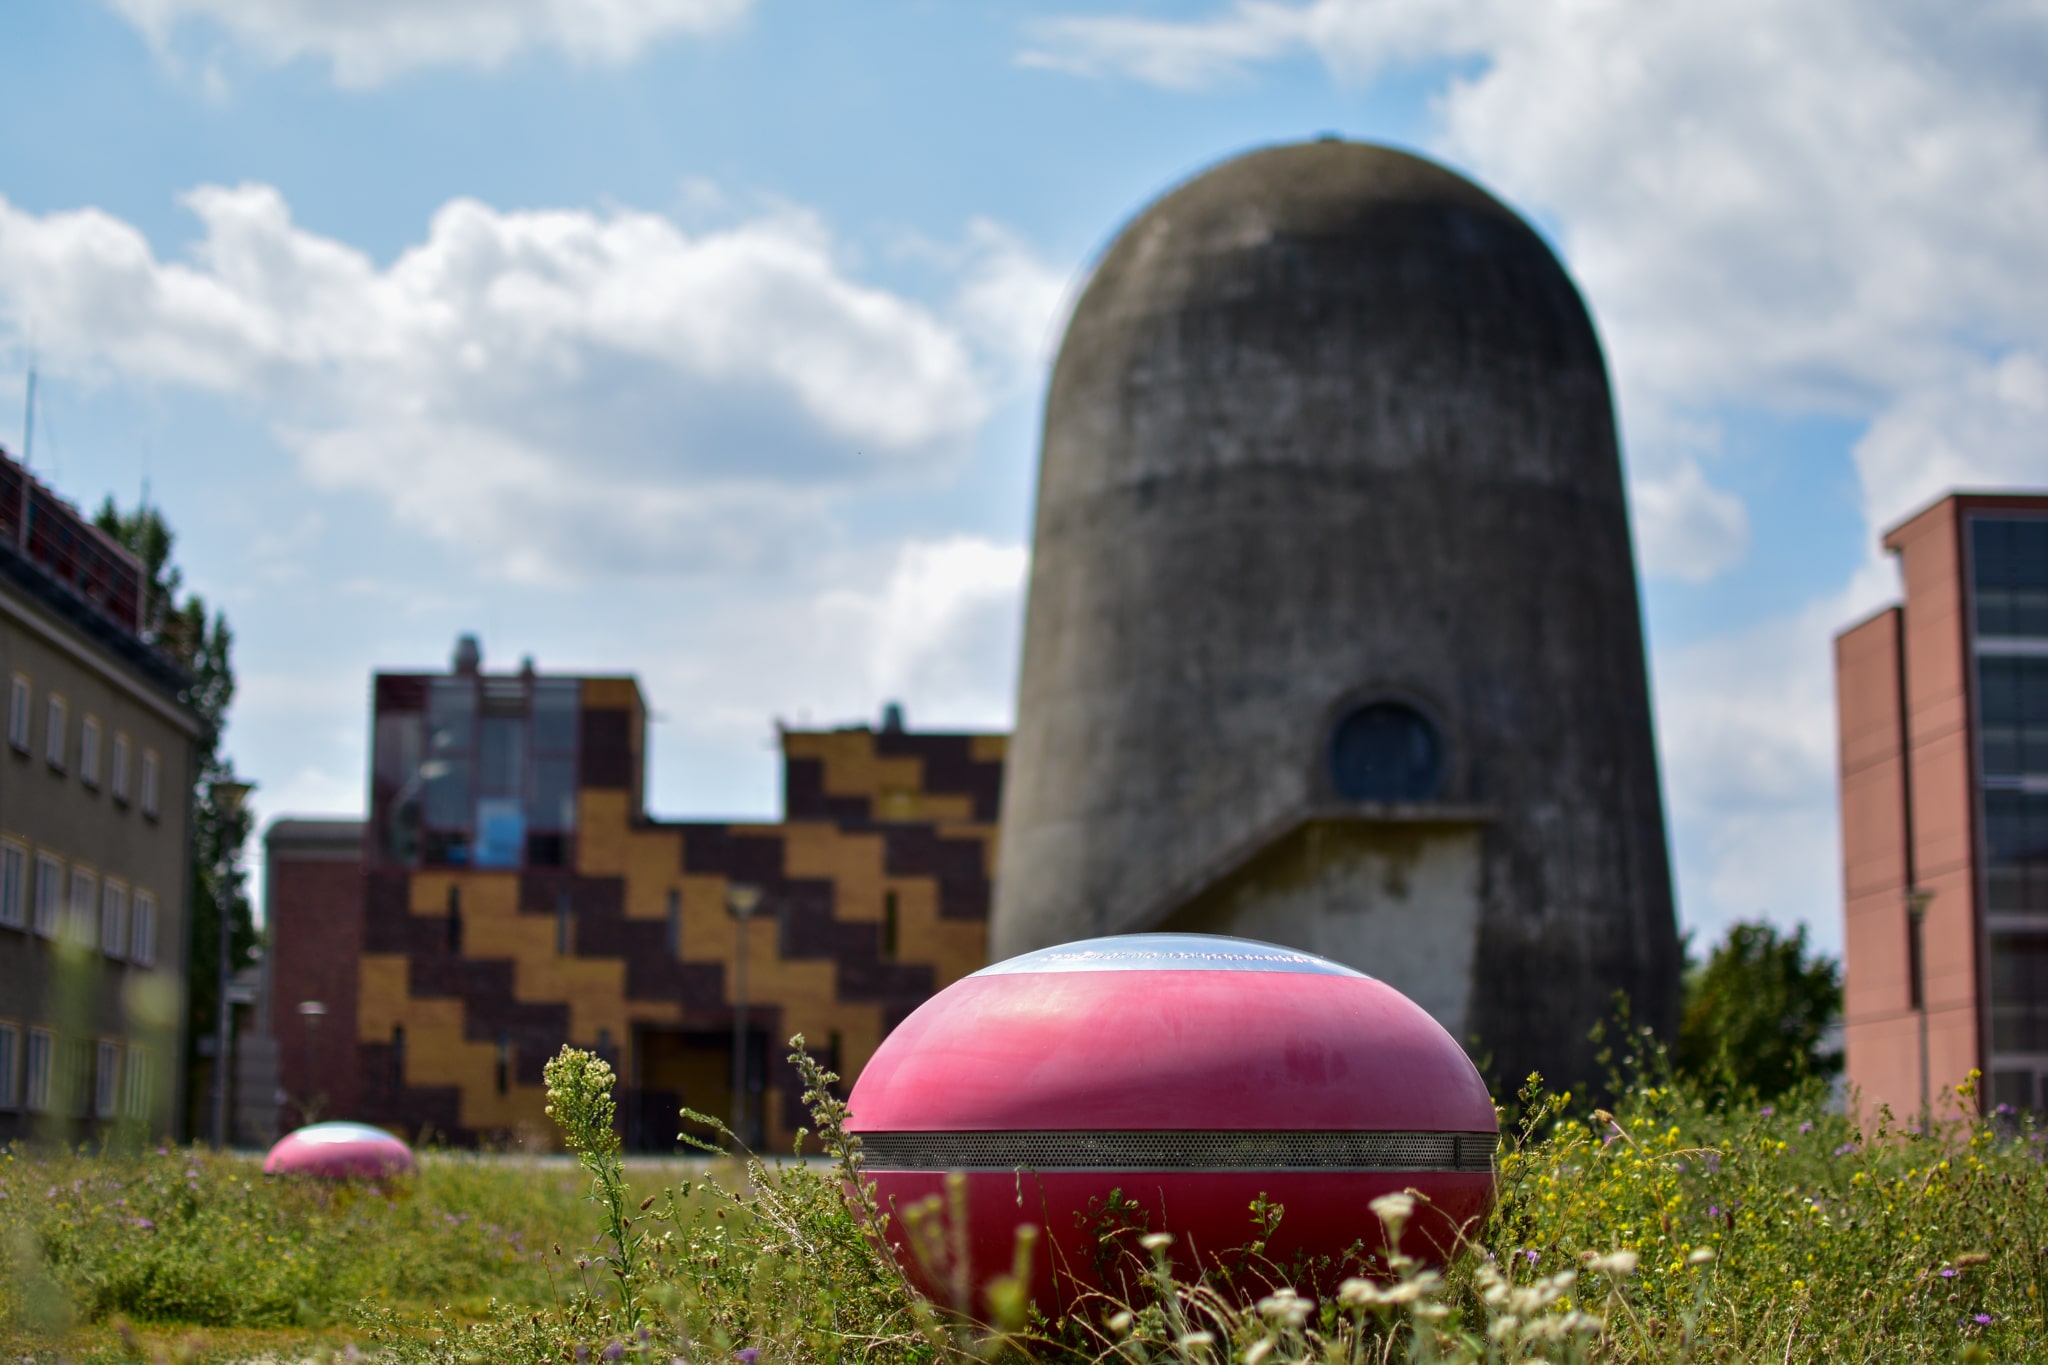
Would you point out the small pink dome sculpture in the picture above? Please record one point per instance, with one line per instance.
(1193, 1075)
(339, 1151)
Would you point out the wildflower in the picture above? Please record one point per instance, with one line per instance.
(1284, 1306)
(1121, 1323)
(1949, 1273)
(1155, 1241)
(614, 1350)
(1806, 1127)
(1767, 1111)
(142, 1223)
(1534, 1256)
(1702, 1256)
(747, 1355)
(1982, 1319)
(1845, 1149)
(1613, 1263)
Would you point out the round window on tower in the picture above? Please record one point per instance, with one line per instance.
(1385, 751)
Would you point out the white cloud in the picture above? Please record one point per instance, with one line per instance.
(1985, 427)
(367, 42)
(1178, 56)
(1685, 527)
(932, 623)
(552, 391)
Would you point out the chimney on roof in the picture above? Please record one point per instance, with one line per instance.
(469, 655)
(892, 717)
(526, 666)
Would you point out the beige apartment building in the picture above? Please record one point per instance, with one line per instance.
(95, 833)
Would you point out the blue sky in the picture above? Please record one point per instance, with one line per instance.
(704, 339)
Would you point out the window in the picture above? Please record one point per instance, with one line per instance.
(455, 920)
(89, 751)
(84, 918)
(504, 1061)
(55, 740)
(135, 1101)
(106, 1080)
(118, 778)
(13, 884)
(10, 1065)
(675, 924)
(36, 1070)
(1385, 751)
(396, 1080)
(74, 1076)
(562, 923)
(17, 713)
(142, 931)
(49, 893)
(114, 919)
(891, 924)
(149, 782)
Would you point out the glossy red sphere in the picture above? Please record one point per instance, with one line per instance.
(339, 1151)
(1168, 1082)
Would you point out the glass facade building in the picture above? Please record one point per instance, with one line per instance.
(2008, 574)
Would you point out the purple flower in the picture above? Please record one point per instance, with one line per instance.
(1845, 1149)
(1982, 1319)
(142, 1223)
(1713, 1210)
(582, 1353)
(1806, 1127)
(615, 1350)
(1767, 1111)
(1948, 1274)
(1534, 1256)
(747, 1355)
(163, 1151)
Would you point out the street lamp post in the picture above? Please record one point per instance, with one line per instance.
(312, 1011)
(227, 807)
(1917, 901)
(741, 901)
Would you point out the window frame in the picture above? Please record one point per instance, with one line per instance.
(82, 907)
(56, 731)
(114, 915)
(141, 912)
(34, 1079)
(10, 1066)
(148, 794)
(106, 1079)
(20, 712)
(47, 909)
(117, 778)
(14, 895)
(89, 751)
(135, 1082)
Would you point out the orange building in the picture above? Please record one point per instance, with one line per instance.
(1942, 704)
(515, 896)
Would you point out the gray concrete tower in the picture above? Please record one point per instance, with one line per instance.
(1333, 636)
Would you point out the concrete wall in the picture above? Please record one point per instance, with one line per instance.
(77, 990)
(1331, 424)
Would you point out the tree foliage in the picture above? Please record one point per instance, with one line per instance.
(1758, 1014)
(178, 623)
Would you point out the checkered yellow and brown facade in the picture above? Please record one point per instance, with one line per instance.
(517, 897)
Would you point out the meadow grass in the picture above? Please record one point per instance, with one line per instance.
(1665, 1229)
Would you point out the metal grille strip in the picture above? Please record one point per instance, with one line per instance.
(1166, 1150)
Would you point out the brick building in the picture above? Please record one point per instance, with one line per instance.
(508, 893)
(1942, 703)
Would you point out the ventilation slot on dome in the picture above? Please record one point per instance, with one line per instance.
(1180, 1151)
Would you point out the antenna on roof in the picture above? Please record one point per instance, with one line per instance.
(28, 416)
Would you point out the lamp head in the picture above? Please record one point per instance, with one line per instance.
(228, 796)
(742, 899)
(1917, 901)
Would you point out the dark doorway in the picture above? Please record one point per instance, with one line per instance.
(693, 1068)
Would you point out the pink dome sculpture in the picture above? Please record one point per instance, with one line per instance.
(339, 1151)
(1192, 1075)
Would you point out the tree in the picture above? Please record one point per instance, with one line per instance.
(177, 622)
(1758, 1012)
